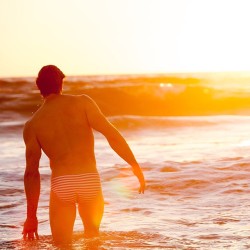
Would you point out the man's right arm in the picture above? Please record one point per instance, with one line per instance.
(99, 122)
(31, 181)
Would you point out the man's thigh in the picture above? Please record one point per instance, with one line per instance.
(62, 218)
(91, 214)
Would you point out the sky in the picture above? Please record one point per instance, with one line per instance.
(89, 37)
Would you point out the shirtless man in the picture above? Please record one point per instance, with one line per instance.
(62, 129)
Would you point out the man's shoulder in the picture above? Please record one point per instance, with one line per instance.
(85, 97)
(28, 128)
(81, 98)
(32, 120)
(84, 100)
(29, 123)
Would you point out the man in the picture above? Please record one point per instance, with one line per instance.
(62, 129)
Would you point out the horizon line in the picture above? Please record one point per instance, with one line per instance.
(141, 74)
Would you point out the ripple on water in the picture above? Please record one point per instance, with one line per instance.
(107, 240)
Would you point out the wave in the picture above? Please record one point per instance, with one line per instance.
(139, 122)
(135, 95)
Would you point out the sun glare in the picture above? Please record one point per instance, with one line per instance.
(125, 36)
(166, 85)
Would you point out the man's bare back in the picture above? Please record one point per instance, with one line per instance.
(62, 129)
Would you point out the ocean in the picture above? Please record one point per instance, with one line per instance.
(189, 132)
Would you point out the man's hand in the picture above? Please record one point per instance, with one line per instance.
(142, 186)
(30, 229)
(138, 173)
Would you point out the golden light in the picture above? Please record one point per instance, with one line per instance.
(124, 36)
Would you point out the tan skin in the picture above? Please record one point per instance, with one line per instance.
(62, 129)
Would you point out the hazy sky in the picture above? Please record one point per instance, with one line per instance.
(124, 36)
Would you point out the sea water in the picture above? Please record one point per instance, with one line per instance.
(191, 136)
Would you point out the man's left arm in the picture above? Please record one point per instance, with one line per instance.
(31, 181)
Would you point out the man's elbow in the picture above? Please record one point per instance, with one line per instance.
(112, 140)
(114, 137)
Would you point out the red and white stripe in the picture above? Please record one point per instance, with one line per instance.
(76, 188)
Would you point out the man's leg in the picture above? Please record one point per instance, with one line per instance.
(62, 218)
(91, 214)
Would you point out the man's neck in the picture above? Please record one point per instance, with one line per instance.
(51, 97)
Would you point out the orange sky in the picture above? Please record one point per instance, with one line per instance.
(124, 36)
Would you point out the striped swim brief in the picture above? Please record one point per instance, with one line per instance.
(78, 188)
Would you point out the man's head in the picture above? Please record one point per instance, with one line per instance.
(49, 80)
